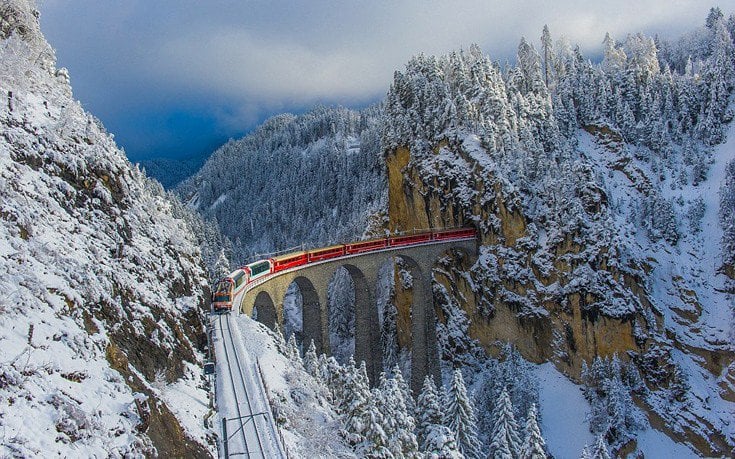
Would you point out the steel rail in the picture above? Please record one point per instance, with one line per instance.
(245, 390)
(234, 389)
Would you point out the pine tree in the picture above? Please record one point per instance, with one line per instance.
(600, 450)
(333, 374)
(533, 446)
(293, 349)
(357, 406)
(440, 444)
(279, 333)
(222, 265)
(373, 441)
(504, 439)
(428, 411)
(460, 417)
(405, 390)
(547, 53)
(311, 361)
(727, 215)
(398, 424)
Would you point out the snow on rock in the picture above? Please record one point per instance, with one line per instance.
(656, 445)
(102, 288)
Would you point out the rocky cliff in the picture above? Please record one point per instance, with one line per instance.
(103, 289)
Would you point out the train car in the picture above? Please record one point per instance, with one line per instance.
(258, 269)
(397, 241)
(365, 246)
(326, 253)
(289, 260)
(226, 289)
(454, 234)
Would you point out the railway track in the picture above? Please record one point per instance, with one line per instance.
(245, 424)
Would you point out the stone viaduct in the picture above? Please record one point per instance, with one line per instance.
(267, 297)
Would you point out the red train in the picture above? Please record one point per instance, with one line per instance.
(230, 286)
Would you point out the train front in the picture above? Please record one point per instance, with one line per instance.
(222, 296)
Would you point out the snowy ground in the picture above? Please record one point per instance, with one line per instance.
(563, 413)
(189, 402)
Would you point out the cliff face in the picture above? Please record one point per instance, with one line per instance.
(104, 289)
(494, 293)
(562, 331)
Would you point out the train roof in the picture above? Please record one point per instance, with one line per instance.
(286, 256)
(331, 247)
(257, 262)
(375, 239)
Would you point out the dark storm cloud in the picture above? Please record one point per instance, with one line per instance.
(240, 60)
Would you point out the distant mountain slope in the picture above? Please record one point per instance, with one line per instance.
(102, 288)
(595, 190)
(170, 171)
(311, 179)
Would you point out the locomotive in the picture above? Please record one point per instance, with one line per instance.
(229, 287)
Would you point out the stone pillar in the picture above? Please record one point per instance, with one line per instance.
(313, 293)
(367, 332)
(420, 349)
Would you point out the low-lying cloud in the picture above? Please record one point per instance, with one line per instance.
(274, 55)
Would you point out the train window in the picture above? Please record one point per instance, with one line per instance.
(259, 268)
(223, 287)
(221, 297)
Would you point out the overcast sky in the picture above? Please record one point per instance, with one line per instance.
(178, 77)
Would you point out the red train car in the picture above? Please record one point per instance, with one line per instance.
(326, 253)
(365, 246)
(454, 234)
(290, 260)
(398, 241)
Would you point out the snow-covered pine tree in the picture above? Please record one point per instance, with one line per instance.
(221, 266)
(727, 216)
(398, 424)
(375, 442)
(679, 388)
(279, 334)
(358, 407)
(333, 375)
(405, 390)
(294, 353)
(533, 446)
(341, 293)
(607, 388)
(428, 411)
(517, 377)
(600, 450)
(504, 439)
(311, 361)
(460, 417)
(547, 53)
(440, 444)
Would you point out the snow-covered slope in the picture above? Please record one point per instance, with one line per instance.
(101, 288)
